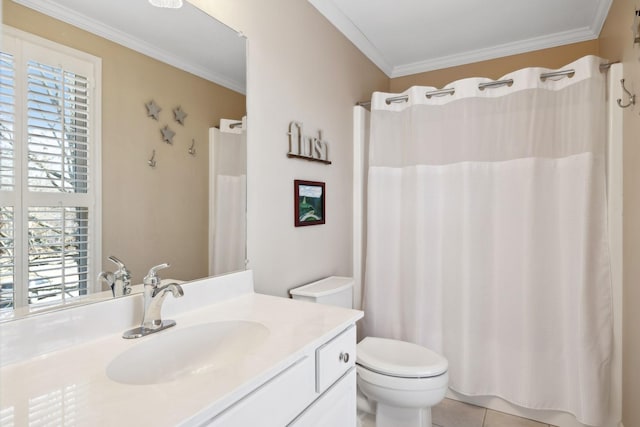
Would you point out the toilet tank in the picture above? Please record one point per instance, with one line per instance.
(332, 290)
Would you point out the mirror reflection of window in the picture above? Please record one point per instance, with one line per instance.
(49, 153)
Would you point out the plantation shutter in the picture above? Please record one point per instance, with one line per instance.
(58, 129)
(57, 247)
(7, 121)
(7, 180)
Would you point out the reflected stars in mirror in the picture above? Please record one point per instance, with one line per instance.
(153, 110)
(167, 134)
(179, 115)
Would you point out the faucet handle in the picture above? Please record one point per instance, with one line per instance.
(116, 261)
(152, 277)
(123, 272)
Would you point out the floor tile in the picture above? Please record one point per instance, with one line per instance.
(500, 419)
(451, 413)
(365, 420)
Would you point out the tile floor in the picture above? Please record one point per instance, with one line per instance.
(451, 413)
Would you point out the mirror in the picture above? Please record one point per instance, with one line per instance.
(193, 69)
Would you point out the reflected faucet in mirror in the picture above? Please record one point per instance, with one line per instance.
(119, 281)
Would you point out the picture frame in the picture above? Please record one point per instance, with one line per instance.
(309, 202)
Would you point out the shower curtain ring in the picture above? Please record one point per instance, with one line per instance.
(632, 97)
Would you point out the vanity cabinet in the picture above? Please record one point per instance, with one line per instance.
(302, 373)
(317, 390)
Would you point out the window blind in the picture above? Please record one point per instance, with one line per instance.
(58, 253)
(7, 260)
(7, 122)
(58, 129)
(7, 179)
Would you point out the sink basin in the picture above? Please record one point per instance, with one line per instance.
(194, 350)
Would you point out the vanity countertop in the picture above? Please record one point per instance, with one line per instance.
(69, 386)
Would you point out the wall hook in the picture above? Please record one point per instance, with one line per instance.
(632, 97)
(192, 149)
(152, 160)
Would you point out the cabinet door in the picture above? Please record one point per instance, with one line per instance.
(336, 407)
(275, 403)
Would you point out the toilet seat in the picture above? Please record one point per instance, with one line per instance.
(402, 383)
(399, 359)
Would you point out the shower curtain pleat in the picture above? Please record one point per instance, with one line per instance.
(230, 225)
(487, 237)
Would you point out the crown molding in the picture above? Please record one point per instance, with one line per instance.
(338, 19)
(507, 49)
(98, 28)
(333, 13)
(601, 16)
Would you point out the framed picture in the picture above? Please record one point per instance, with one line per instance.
(308, 199)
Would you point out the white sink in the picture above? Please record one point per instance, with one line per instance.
(195, 350)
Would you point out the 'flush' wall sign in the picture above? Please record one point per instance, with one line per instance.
(307, 147)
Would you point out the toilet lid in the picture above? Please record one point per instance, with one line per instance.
(399, 358)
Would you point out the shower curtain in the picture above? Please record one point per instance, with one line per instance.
(229, 195)
(487, 235)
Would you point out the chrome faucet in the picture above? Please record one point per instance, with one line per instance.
(120, 281)
(154, 296)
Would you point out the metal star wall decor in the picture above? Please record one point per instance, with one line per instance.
(179, 115)
(153, 110)
(167, 134)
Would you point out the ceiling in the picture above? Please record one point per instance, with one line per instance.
(405, 37)
(186, 38)
(401, 37)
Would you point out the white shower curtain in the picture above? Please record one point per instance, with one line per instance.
(230, 226)
(228, 197)
(487, 236)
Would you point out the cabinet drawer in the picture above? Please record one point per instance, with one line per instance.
(334, 358)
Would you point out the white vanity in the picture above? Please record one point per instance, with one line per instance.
(235, 358)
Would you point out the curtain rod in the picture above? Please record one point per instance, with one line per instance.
(497, 83)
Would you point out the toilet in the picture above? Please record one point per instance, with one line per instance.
(398, 381)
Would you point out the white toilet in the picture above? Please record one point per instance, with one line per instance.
(398, 381)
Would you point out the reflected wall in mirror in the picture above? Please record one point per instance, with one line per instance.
(148, 215)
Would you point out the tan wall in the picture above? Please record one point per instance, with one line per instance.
(495, 68)
(616, 42)
(149, 215)
(299, 68)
